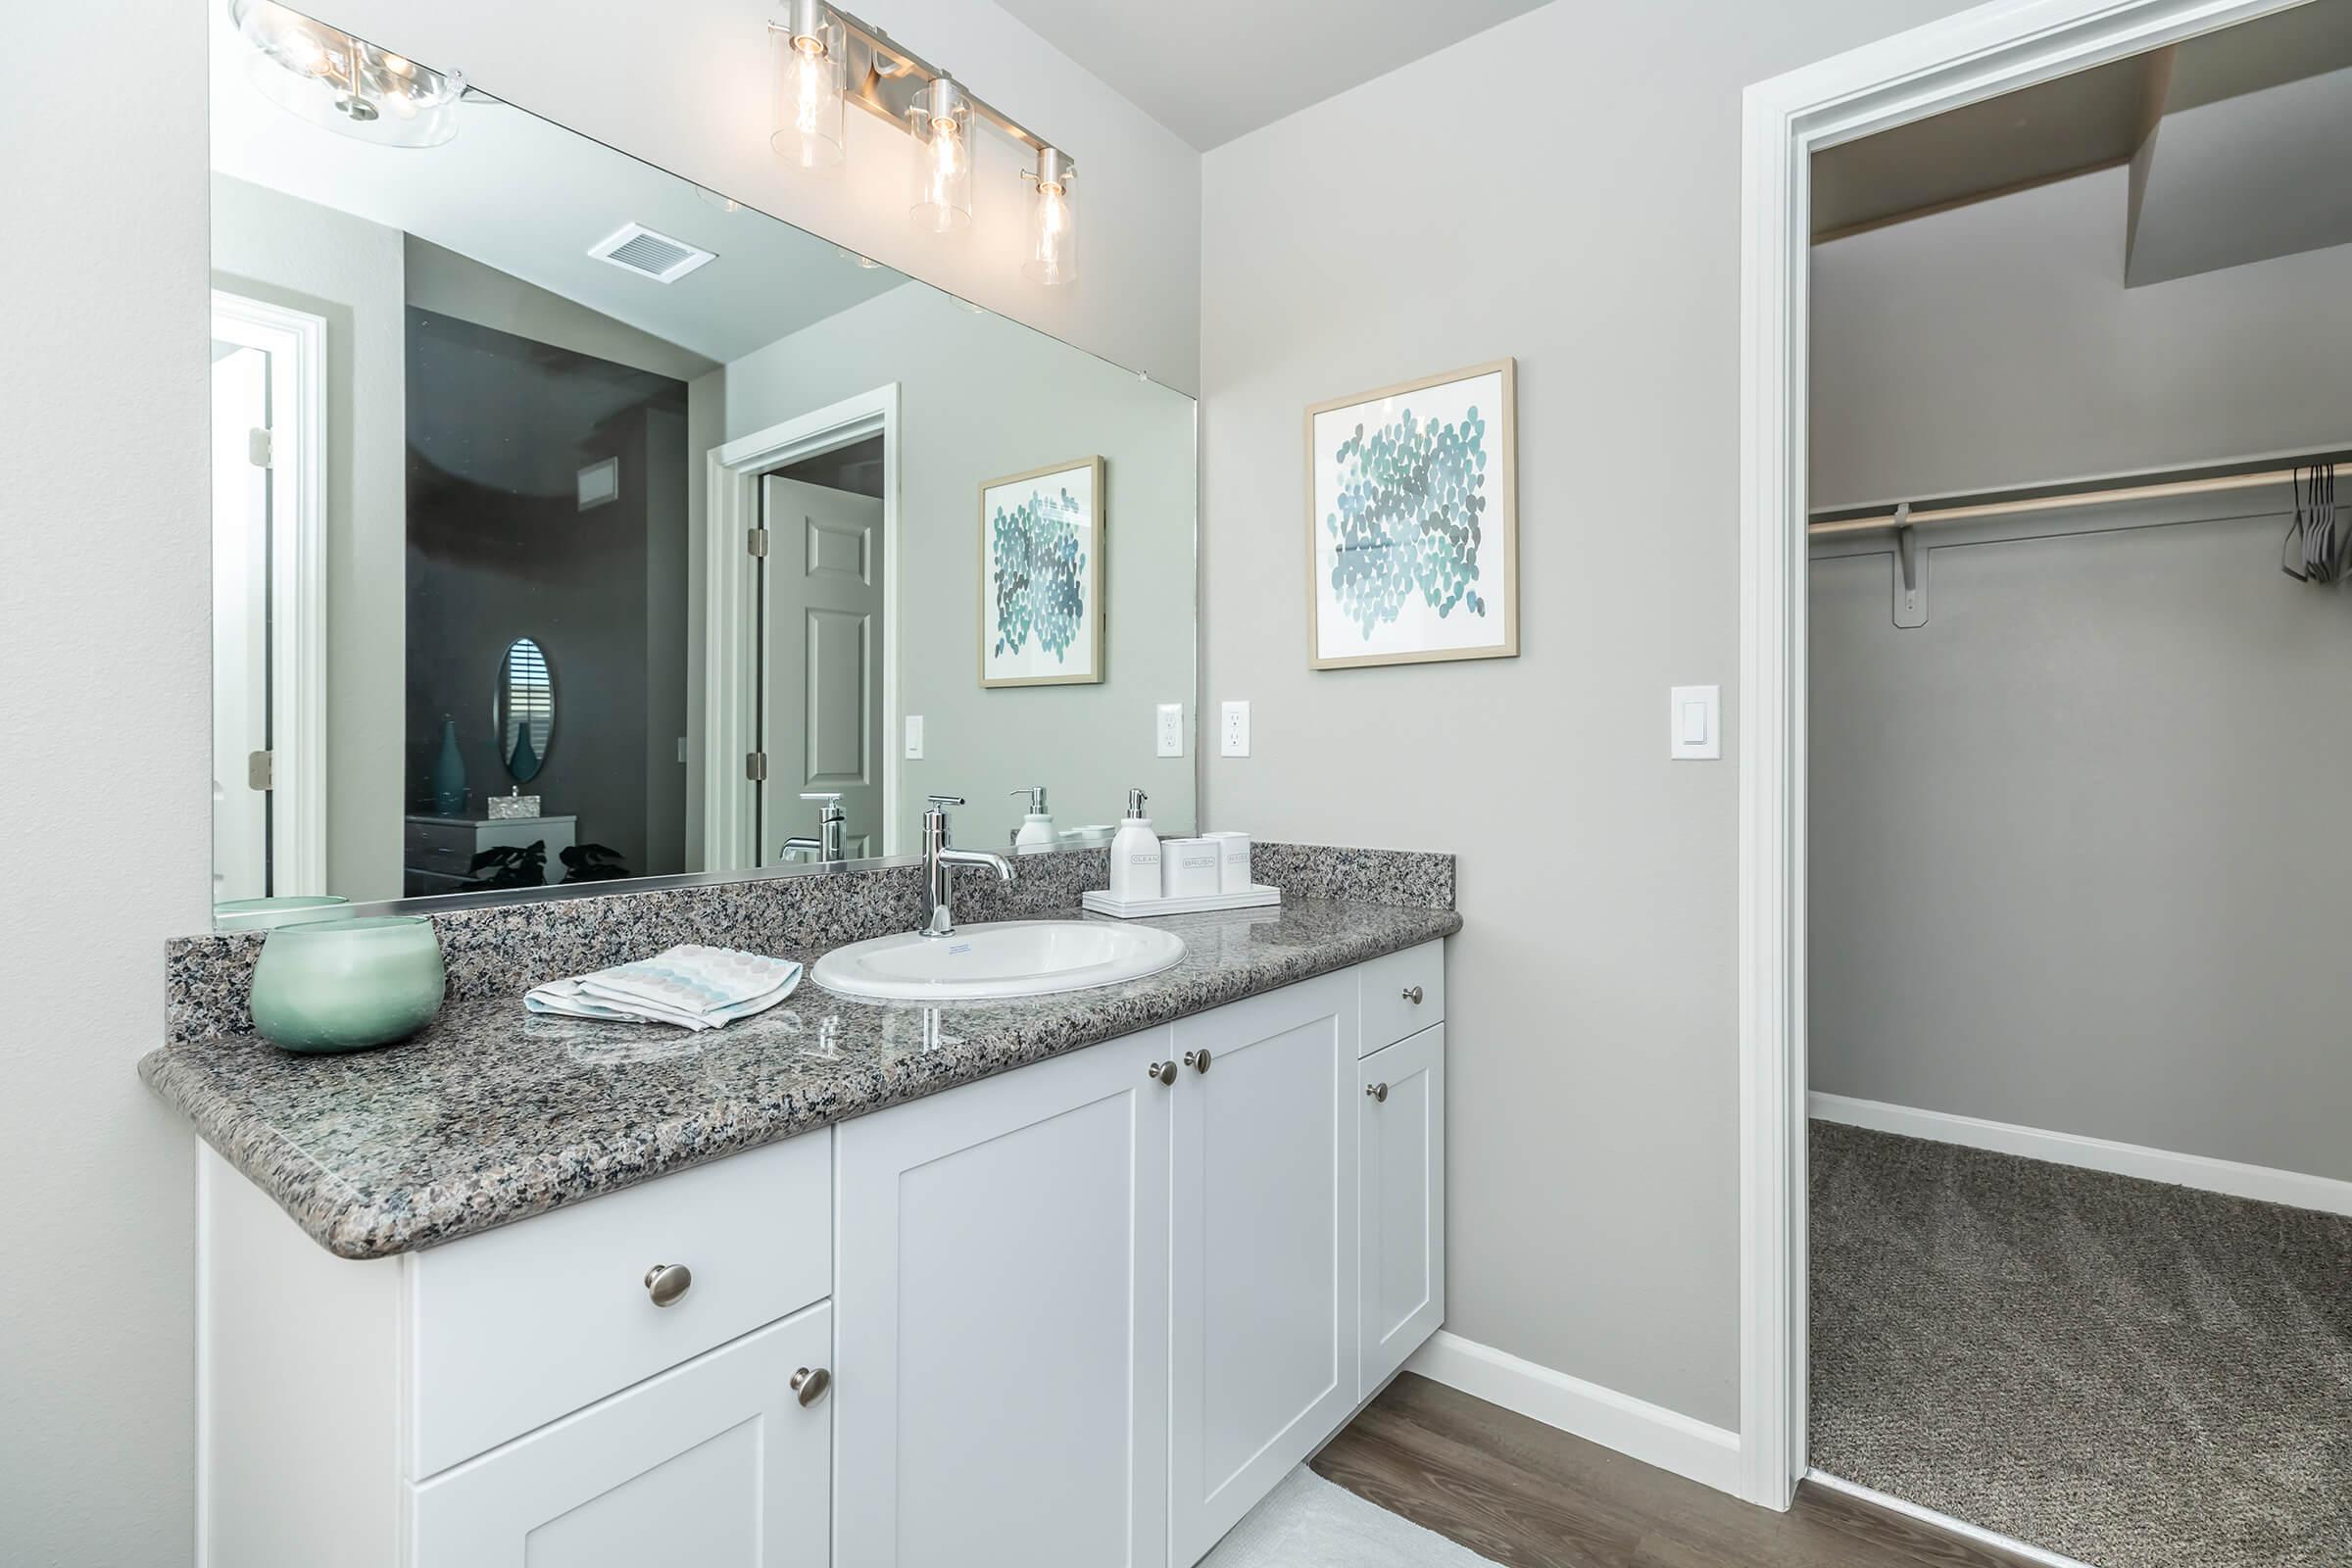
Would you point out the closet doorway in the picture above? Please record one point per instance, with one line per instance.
(2076, 1192)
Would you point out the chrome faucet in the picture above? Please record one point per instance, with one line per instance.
(832, 841)
(939, 867)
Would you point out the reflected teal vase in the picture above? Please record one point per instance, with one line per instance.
(449, 772)
(345, 985)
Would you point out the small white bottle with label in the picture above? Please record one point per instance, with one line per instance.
(1135, 854)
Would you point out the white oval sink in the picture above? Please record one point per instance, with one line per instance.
(1001, 959)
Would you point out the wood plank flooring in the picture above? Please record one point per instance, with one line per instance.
(1531, 1496)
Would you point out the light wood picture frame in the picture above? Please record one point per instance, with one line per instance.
(1041, 577)
(1413, 528)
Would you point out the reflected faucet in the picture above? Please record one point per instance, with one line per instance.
(832, 826)
(939, 867)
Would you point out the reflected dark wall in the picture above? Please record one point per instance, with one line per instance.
(499, 429)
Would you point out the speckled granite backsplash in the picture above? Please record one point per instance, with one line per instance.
(503, 951)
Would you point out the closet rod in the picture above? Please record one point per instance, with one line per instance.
(2080, 497)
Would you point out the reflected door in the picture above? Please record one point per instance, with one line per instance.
(241, 622)
(822, 724)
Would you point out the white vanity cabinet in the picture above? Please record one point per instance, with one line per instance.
(1264, 1249)
(1085, 1313)
(1002, 1343)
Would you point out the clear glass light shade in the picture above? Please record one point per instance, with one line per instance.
(1053, 224)
(810, 74)
(347, 84)
(940, 196)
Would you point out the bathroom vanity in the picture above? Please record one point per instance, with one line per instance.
(1066, 1279)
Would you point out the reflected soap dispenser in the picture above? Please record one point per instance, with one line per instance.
(1135, 854)
(1037, 828)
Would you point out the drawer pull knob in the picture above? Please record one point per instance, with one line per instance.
(667, 1282)
(1379, 1092)
(1165, 1071)
(1197, 1060)
(1412, 994)
(810, 1384)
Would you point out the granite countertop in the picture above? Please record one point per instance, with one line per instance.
(494, 1115)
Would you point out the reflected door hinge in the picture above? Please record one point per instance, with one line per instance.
(260, 771)
(258, 449)
(755, 766)
(755, 541)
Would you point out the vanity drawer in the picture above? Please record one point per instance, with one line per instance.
(1400, 994)
(518, 1326)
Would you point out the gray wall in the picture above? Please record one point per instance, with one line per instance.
(1995, 346)
(2065, 871)
(310, 257)
(1593, 231)
(105, 757)
(2076, 842)
(981, 398)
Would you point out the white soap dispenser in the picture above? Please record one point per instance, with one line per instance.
(1135, 854)
(1037, 828)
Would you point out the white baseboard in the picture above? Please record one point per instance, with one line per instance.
(2259, 1182)
(1650, 1433)
(1943, 1522)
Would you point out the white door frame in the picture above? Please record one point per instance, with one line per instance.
(730, 645)
(296, 344)
(1960, 60)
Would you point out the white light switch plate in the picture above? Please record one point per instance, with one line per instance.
(1170, 731)
(1233, 734)
(914, 737)
(1694, 723)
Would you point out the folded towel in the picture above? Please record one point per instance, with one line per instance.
(693, 987)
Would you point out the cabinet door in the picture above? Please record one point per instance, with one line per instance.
(716, 1463)
(1264, 1352)
(1002, 1283)
(1402, 1114)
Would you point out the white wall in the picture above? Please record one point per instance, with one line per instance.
(1995, 346)
(981, 399)
(685, 85)
(351, 272)
(1435, 218)
(105, 764)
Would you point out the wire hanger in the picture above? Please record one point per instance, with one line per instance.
(2315, 547)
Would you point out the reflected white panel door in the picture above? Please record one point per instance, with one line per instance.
(1400, 1117)
(1002, 1295)
(821, 727)
(1263, 1255)
(240, 622)
(715, 1463)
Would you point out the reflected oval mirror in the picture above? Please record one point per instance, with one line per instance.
(526, 709)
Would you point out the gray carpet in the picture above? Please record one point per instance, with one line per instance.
(2135, 1375)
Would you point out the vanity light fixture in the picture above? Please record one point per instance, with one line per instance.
(344, 84)
(940, 194)
(863, 65)
(811, 71)
(1053, 220)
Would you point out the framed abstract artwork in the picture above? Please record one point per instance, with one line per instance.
(1041, 577)
(1412, 527)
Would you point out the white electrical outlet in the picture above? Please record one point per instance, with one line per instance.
(914, 737)
(1235, 733)
(1170, 730)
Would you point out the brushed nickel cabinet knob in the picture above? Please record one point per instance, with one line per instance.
(1165, 1071)
(810, 1384)
(1197, 1060)
(667, 1282)
(1379, 1092)
(1412, 994)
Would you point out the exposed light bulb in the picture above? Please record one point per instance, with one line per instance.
(941, 191)
(809, 133)
(1053, 221)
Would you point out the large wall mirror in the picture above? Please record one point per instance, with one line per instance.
(561, 502)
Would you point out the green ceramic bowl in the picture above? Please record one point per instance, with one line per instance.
(345, 985)
(268, 914)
